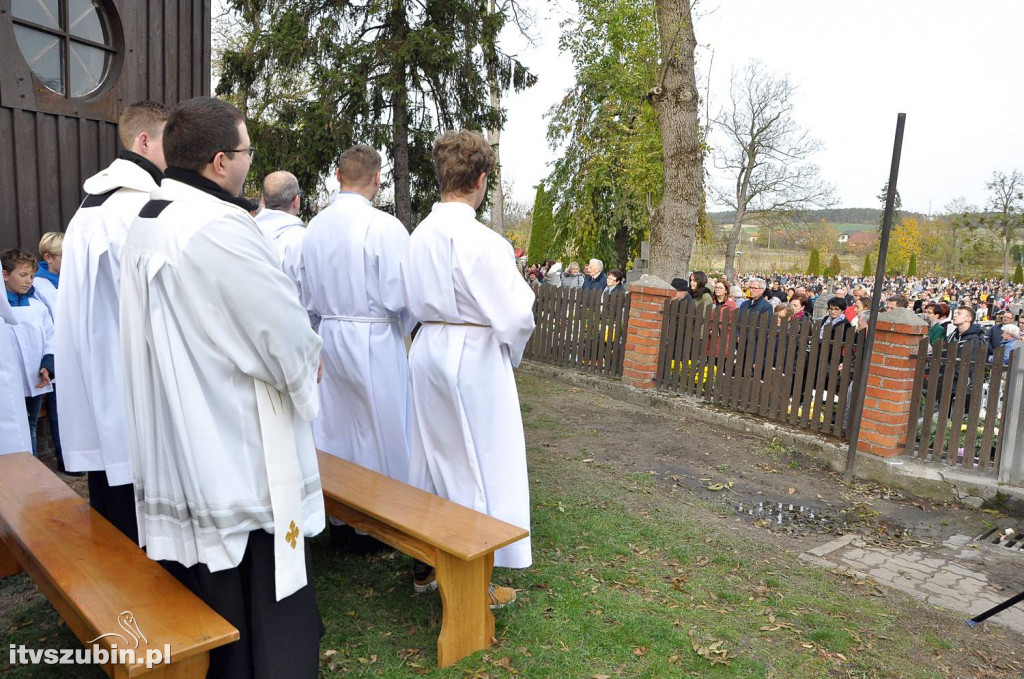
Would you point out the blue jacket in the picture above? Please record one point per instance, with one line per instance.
(44, 272)
(597, 283)
(761, 306)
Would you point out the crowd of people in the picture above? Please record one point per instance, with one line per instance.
(207, 346)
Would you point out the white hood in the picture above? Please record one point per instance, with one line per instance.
(119, 174)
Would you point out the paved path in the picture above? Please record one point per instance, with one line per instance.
(957, 581)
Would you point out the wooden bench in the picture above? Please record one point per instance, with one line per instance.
(457, 541)
(92, 574)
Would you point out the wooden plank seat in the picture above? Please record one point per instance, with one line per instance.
(457, 541)
(93, 575)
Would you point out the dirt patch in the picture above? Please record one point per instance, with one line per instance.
(777, 493)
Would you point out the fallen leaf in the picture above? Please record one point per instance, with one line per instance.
(792, 490)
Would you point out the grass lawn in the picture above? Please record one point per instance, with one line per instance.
(629, 580)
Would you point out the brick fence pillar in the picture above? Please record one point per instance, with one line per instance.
(883, 426)
(647, 299)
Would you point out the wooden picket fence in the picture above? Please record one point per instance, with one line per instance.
(754, 363)
(581, 329)
(957, 411)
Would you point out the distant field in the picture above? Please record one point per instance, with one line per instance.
(749, 231)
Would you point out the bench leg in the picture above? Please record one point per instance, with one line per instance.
(467, 625)
(194, 667)
(8, 564)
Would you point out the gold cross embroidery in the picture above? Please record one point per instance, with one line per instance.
(292, 536)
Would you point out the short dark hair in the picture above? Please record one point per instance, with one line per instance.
(198, 129)
(837, 303)
(142, 116)
(358, 165)
(12, 258)
(459, 158)
(619, 276)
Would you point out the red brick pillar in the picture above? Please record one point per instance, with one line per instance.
(643, 336)
(883, 426)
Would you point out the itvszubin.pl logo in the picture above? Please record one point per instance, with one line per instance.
(94, 654)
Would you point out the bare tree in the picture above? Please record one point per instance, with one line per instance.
(675, 98)
(766, 151)
(1004, 219)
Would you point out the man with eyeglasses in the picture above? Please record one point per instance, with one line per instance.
(220, 371)
(279, 221)
(757, 302)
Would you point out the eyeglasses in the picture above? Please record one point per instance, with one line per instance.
(249, 151)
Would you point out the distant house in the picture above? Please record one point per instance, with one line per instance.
(844, 237)
(863, 238)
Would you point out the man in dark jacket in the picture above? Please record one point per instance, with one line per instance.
(595, 276)
(758, 301)
(968, 337)
(995, 333)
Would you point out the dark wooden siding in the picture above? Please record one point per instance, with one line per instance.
(50, 146)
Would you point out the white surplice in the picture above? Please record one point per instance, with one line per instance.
(286, 232)
(217, 350)
(467, 443)
(87, 355)
(33, 339)
(351, 273)
(14, 433)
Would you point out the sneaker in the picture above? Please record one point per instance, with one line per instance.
(500, 596)
(424, 581)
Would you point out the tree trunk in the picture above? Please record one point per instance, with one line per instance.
(675, 98)
(1006, 258)
(622, 245)
(494, 138)
(730, 248)
(401, 172)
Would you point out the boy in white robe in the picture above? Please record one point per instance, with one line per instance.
(351, 261)
(280, 223)
(220, 371)
(33, 334)
(460, 279)
(14, 434)
(88, 353)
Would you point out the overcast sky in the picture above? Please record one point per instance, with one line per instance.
(955, 68)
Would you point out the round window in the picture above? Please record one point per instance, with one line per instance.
(68, 44)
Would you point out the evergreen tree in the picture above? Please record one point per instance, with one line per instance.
(835, 267)
(814, 265)
(912, 266)
(315, 76)
(868, 269)
(541, 232)
(1018, 275)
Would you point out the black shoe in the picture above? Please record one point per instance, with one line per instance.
(344, 538)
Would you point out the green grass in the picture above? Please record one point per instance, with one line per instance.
(629, 580)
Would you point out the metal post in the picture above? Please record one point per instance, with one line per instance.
(876, 296)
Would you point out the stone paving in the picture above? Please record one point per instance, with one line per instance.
(957, 582)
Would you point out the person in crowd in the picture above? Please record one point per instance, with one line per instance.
(46, 285)
(860, 305)
(87, 324)
(219, 409)
(939, 317)
(809, 307)
(756, 302)
(33, 334)
(614, 282)
(799, 305)
(790, 293)
(14, 432)
(572, 278)
(351, 262)
(737, 295)
(280, 223)
(467, 443)
(1010, 340)
(720, 298)
(967, 337)
(594, 279)
(553, 273)
(995, 333)
(47, 281)
(699, 292)
(532, 278)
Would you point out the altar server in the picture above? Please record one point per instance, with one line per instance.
(14, 434)
(88, 356)
(460, 279)
(351, 261)
(220, 370)
(279, 221)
